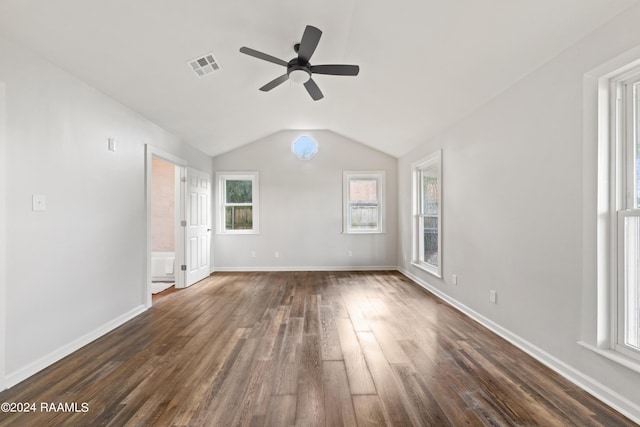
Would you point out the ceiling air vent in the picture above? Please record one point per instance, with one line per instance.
(205, 65)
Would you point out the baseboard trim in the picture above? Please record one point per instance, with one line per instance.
(312, 268)
(615, 400)
(51, 358)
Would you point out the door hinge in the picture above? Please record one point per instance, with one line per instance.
(183, 223)
(183, 267)
(183, 179)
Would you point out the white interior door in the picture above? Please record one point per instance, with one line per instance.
(198, 228)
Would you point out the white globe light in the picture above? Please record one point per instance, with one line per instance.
(299, 76)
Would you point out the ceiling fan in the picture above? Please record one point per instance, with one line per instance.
(299, 70)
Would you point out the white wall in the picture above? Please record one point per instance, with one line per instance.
(513, 212)
(78, 268)
(301, 207)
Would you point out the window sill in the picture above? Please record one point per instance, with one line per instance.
(236, 233)
(428, 269)
(619, 358)
(364, 232)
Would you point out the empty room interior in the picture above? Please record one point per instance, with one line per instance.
(320, 213)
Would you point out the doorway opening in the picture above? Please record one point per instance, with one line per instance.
(192, 222)
(165, 217)
(165, 197)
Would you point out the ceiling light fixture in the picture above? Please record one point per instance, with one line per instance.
(299, 70)
(300, 76)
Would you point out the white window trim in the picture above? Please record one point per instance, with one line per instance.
(221, 178)
(600, 138)
(428, 162)
(621, 204)
(347, 176)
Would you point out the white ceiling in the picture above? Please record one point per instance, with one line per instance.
(424, 64)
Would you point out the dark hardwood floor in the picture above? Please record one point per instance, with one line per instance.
(304, 348)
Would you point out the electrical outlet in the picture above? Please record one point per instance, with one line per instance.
(253, 254)
(454, 279)
(277, 254)
(493, 296)
(350, 253)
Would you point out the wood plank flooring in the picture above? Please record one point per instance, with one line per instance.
(307, 349)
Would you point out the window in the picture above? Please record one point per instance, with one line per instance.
(238, 202)
(626, 204)
(363, 202)
(304, 147)
(427, 196)
(611, 228)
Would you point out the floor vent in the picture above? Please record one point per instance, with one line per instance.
(205, 65)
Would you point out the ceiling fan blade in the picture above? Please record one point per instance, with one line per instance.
(313, 90)
(336, 70)
(275, 82)
(310, 40)
(263, 56)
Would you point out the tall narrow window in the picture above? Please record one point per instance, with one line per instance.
(238, 202)
(427, 231)
(363, 202)
(628, 214)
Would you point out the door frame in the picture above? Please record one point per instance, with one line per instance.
(181, 167)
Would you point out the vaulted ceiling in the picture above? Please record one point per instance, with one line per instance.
(424, 64)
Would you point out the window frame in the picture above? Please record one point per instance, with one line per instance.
(599, 256)
(221, 179)
(297, 139)
(417, 169)
(347, 177)
(623, 203)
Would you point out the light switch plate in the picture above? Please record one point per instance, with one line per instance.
(39, 202)
(493, 296)
(112, 144)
